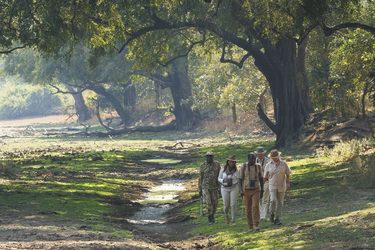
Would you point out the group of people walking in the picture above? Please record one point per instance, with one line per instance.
(261, 181)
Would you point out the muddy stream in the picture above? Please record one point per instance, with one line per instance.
(157, 202)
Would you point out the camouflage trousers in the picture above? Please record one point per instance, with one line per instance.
(211, 200)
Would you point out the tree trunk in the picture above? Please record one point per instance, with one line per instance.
(121, 111)
(234, 114)
(130, 97)
(181, 91)
(302, 76)
(80, 105)
(279, 66)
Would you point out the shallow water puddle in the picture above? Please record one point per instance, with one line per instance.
(162, 161)
(157, 201)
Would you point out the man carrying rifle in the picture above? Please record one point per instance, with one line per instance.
(208, 185)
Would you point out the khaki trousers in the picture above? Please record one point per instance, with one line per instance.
(264, 208)
(277, 201)
(252, 198)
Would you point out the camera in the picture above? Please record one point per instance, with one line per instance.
(229, 183)
(252, 183)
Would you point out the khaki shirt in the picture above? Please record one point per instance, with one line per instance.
(254, 175)
(263, 162)
(208, 176)
(277, 175)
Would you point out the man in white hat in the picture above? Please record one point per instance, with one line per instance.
(277, 173)
(208, 185)
(265, 200)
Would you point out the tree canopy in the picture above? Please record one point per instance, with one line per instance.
(158, 32)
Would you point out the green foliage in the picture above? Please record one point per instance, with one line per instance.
(361, 171)
(345, 151)
(219, 85)
(8, 169)
(23, 100)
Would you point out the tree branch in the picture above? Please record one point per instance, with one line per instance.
(238, 64)
(181, 55)
(330, 30)
(13, 49)
(266, 120)
(99, 118)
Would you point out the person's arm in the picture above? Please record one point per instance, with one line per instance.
(240, 181)
(287, 182)
(220, 178)
(240, 186)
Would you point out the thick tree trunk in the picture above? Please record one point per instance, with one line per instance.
(121, 111)
(81, 108)
(181, 91)
(279, 66)
(302, 76)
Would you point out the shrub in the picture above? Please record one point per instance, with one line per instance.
(7, 169)
(344, 151)
(361, 171)
(24, 100)
(360, 157)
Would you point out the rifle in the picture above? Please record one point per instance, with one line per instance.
(201, 204)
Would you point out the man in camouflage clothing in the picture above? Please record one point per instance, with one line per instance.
(209, 185)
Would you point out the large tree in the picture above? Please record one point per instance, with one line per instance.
(158, 31)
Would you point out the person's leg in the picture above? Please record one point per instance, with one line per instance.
(265, 202)
(215, 202)
(208, 203)
(273, 199)
(225, 193)
(279, 206)
(256, 213)
(233, 201)
(248, 205)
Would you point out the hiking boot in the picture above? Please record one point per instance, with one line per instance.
(277, 221)
(233, 223)
(272, 220)
(256, 228)
(250, 230)
(227, 219)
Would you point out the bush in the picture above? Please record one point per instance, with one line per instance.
(360, 160)
(344, 151)
(7, 169)
(361, 171)
(24, 100)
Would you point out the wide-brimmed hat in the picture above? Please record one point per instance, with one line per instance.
(209, 153)
(232, 158)
(260, 150)
(274, 153)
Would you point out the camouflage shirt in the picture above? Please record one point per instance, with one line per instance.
(208, 176)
